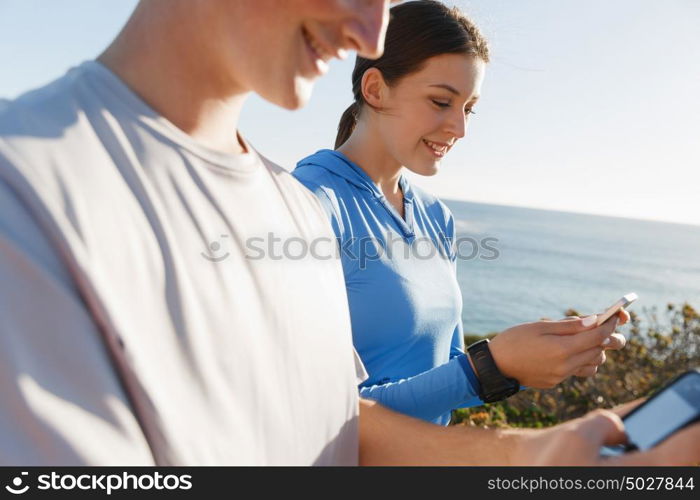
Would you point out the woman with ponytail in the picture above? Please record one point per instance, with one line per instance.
(396, 241)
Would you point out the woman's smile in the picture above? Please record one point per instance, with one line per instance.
(437, 149)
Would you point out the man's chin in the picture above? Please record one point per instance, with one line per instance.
(294, 97)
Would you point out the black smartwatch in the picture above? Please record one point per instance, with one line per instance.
(494, 385)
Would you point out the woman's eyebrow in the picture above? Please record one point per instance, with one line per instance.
(453, 90)
(449, 88)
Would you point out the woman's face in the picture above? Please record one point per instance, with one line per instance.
(426, 112)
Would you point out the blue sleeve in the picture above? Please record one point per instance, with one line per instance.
(457, 345)
(430, 394)
(457, 349)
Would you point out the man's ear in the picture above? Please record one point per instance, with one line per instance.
(373, 87)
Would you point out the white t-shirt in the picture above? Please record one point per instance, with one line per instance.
(145, 316)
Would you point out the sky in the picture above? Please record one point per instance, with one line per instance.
(586, 107)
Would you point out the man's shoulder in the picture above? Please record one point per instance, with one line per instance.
(47, 134)
(41, 112)
(35, 126)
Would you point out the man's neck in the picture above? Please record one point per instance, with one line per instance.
(155, 57)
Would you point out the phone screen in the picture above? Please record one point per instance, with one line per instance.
(669, 411)
(672, 408)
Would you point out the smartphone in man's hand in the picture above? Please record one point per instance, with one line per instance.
(669, 410)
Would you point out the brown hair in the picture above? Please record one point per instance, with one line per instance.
(417, 31)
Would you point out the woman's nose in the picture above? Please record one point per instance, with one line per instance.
(457, 125)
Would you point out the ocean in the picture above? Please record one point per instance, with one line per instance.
(539, 263)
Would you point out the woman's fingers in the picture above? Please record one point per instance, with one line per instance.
(543, 353)
(616, 342)
(586, 371)
(591, 338)
(594, 356)
(623, 317)
(566, 326)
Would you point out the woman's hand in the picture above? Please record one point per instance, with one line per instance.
(544, 353)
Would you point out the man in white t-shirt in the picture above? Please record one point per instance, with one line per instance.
(135, 325)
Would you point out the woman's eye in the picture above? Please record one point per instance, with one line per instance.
(441, 104)
(469, 111)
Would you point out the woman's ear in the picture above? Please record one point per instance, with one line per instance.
(373, 87)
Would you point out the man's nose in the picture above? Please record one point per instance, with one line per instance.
(365, 32)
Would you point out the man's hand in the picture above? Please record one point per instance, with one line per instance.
(578, 442)
(389, 438)
(544, 353)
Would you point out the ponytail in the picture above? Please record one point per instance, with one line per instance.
(347, 124)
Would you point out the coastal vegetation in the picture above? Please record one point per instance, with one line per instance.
(660, 345)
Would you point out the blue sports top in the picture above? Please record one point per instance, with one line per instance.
(400, 276)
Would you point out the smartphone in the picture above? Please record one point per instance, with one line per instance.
(625, 301)
(670, 409)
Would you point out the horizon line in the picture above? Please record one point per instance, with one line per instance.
(573, 212)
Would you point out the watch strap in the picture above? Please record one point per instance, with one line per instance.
(494, 385)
